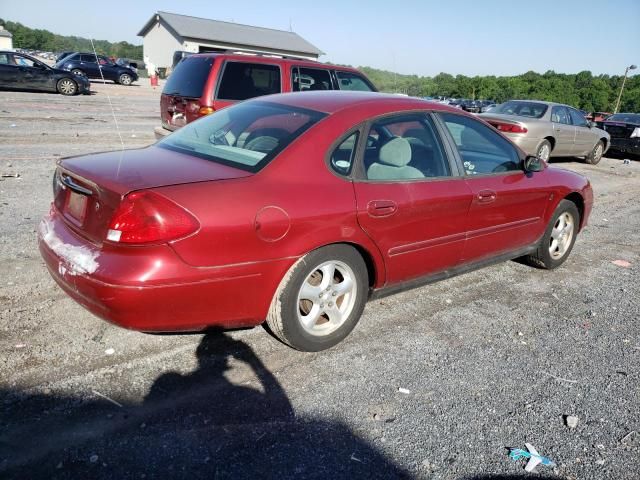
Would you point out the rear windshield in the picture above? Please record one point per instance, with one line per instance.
(246, 136)
(189, 77)
(624, 117)
(523, 109)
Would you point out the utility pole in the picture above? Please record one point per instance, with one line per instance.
(624, 79)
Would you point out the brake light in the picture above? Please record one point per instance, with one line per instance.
(510, 127)
(147, 217)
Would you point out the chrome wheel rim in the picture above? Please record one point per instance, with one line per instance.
(597, 153)
(67, 87)
(125, 79)
(544, 151)
(80, 73)
(326, 298)
(561, 236)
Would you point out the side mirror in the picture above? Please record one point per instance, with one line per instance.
(591, 124)
(533, 164)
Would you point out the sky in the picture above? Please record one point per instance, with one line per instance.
(482, 37)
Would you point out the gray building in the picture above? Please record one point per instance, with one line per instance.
(166, 33)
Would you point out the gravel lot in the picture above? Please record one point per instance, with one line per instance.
(491, 359)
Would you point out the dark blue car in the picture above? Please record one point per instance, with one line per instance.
(97, 66)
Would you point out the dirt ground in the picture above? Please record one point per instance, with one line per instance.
(490, 360)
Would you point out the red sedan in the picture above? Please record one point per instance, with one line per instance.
(298, 208)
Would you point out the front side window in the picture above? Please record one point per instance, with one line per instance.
(353, 82)
(483, 151)
(4, 59)
(404, 148)
(23, 61)
(560, 115)
(88, 58)
(343, 156)
(577, 118)
(241, 80)
(304, 79)
(246, 136)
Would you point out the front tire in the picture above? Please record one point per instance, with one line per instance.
(320, 299)
(66, 86)
(125, 79)
(558, 239)
(596, 154)
(77, 71)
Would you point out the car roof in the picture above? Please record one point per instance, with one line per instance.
(275, 60)
(544, 102)
(332, 101)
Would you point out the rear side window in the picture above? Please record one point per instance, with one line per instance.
(304, 79)
(4, 59)
(560, 115)
(342, 157)
(482, 150)
(189, 77)
(352, 81)
(88, 58)
(241, 80)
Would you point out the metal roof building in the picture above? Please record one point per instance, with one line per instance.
(165, 33)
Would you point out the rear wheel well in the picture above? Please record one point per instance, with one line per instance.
(552, 141)
(577, 199)
(369, 262)
(604, 142)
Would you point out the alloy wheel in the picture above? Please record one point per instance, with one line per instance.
(561, 236)
(544, 152)
(326, 298)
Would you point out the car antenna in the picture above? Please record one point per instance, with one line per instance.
(113, 112)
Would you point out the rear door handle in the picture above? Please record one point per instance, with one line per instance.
(382, 208)
(486, 196)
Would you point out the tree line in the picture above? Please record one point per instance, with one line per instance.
(44, 40)
(592, 93)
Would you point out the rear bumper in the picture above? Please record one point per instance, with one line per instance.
(161, 132)
(151, 288)
(626, 145)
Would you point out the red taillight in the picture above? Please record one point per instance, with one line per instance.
(147, 217)
(510, 127)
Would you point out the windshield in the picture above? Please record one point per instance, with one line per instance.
(523, 109)
(246, 136)
(624, 117)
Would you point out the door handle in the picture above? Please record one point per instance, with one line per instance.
(486, 196)
(382, 208)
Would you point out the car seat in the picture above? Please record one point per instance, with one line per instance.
(393, 162)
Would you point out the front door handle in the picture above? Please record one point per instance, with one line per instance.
(382, 208)
(486, 196)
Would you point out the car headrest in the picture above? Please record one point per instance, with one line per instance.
(396, 152)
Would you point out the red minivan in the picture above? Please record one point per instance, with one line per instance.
(204, 83)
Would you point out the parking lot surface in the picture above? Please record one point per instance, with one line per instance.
(435, 382)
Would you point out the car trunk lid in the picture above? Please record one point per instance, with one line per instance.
(88, 189)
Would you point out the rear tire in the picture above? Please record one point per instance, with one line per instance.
(67, 86)
(320, 299)
(558, 239)
(125, 79)
(596, 154)
(544, 150)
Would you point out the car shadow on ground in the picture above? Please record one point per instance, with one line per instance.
(195, 425)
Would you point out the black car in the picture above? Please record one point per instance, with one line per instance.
(97, 66)
(624, 129)
(22, 72)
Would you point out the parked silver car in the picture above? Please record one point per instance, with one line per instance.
(548, 129)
